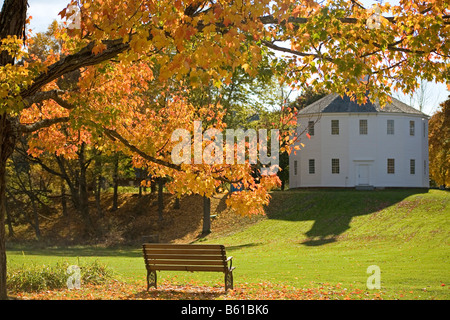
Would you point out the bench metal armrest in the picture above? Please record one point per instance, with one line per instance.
(229, 259)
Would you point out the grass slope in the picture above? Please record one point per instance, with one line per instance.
(315, 238)
(334, 236)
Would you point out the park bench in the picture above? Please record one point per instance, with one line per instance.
(187, 257)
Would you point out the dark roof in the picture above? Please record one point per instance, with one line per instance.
(335, 103)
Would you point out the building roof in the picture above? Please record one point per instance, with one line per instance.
(335, 103)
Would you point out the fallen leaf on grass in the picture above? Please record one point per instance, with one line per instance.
(116, 290)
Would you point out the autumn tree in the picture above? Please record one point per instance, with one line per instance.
(308, 96)
(27, 192)
(331, 43)
(244, 97)
(439, 145)
(43, 44)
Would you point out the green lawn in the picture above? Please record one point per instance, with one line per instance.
(311, 238)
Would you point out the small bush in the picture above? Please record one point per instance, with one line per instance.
(32, 278)
(96, 273)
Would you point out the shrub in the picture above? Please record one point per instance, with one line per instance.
(96, 273)
(32, 277)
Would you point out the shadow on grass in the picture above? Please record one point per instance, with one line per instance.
(319, 242)
(332, 210)
(77, 251)
(91, 251)
(246, 245)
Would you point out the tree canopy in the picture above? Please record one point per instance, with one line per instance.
(439, 140)
(130, 63)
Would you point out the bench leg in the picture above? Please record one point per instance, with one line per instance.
(151, 279)
(228, 280)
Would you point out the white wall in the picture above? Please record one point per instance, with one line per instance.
(353, 149)
(337, 147)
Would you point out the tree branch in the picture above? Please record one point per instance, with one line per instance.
(278, 48)
(47, 95)
(113, 135)
(63, 103)
(38, 161)
(40, 96)
(28, 128)
(83, 58)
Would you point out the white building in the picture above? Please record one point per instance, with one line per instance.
(362, 146)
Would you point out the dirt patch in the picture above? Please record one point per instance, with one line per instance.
(137, 219)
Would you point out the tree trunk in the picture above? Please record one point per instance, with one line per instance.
(116, 182)
(37, 230)
(74, 186)
(3, 293)
(33, 198)
(12, 23)
(160, 198)
(98, 194)
(7, 142)
(206, 216)
(84, 194)
(9, 221)
(177, 203)
(63, 198)
(98, 185)
(152, 186)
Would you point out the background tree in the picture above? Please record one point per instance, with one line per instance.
(27, 192)
(44, 44)
(439, 145)
(308, 96)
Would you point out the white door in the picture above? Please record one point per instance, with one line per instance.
(363, 174)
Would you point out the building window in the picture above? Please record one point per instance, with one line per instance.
(412, 128)
(412, 166)
(424, 129)
(391, 166)
(363, 126)
(312, 166)
(335, 166)
(311, 128)
(295, 167)
(390, 127)
(334, 126)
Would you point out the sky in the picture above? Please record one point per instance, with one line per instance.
(43, 12)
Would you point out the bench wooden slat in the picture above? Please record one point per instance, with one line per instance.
(185, 256)
(183, 246)
(189, 268)
(181, 251)
(157, 262)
